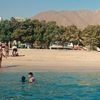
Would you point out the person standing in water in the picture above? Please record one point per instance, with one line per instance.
(31, 77)
(1, 54)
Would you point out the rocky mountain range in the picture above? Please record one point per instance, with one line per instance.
(80, 18)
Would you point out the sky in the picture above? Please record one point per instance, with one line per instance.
(29, 8)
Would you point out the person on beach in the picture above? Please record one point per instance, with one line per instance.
(1, 54)
(14, 51)
(31, 77)
(6, 49)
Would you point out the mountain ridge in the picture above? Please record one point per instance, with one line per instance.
(80, 18)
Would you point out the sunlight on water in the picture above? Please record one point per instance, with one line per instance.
(51, 86)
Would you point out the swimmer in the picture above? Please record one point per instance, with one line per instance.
(31, 77)
(23, 79)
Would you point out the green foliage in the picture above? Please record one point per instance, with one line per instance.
(91, 36)
(5, 30)
(44, 33)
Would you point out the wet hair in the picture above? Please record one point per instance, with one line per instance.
(23, 79)
(30, 73)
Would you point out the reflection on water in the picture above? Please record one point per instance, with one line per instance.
(51, 86)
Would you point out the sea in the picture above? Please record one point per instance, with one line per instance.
(50, 86)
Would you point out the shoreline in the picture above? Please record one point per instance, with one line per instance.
(42, 60)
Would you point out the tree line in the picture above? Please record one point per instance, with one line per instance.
(44, 33)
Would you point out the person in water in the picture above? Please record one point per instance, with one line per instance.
(23, 79)
(31, 77)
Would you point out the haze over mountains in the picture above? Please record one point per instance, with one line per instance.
(80, 18)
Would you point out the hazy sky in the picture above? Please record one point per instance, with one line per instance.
(28, 8)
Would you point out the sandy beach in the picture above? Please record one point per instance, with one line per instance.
(52, 60)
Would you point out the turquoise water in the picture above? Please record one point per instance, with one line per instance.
(51, 86)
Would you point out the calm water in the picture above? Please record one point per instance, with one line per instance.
(51, 86)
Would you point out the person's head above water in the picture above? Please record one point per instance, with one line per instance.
(30, 74)
(23, 79)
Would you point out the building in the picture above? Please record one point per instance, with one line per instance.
(20, 19)
(1, 18)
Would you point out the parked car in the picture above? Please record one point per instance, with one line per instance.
(56, 45)
(68, 46)
(25, 45)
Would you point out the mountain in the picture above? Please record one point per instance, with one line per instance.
(80, 18)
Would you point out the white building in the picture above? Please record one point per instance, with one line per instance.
(1, 18)
(19, 19)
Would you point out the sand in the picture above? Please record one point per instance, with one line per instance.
(52, 60)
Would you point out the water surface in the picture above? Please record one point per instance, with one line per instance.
(51, 86)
